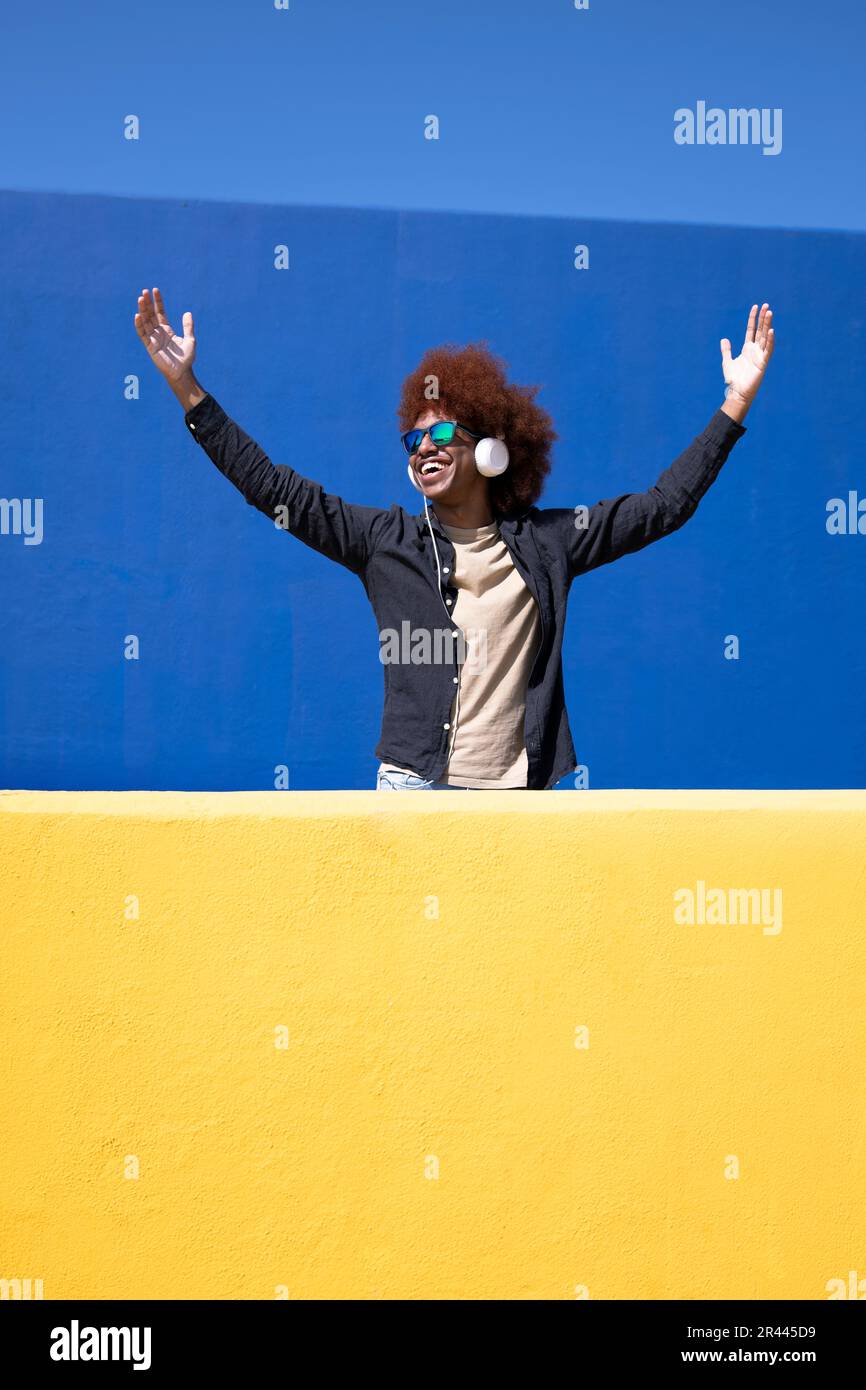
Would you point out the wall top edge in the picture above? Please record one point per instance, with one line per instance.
(172, 805)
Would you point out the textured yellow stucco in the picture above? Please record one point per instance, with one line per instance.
(430, 1130)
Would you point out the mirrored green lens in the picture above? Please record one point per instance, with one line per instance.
(442, 432)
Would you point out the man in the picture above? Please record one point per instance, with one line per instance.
(470, 593)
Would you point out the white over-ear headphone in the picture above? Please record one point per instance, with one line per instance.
(491, 459)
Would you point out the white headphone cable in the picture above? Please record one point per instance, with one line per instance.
(450, 621)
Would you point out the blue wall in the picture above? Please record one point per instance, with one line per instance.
(257, 651)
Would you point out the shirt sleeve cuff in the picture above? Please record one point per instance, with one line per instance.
(205, 418)
(722, 428)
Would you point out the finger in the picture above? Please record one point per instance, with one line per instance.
(142, 328)
(761, 333)
(771, 343)
(768, 328)
(726, 352)
(750, 326)
(188, 329)
(145, 308)
(141, 317)
(157, 331)
(159, 307)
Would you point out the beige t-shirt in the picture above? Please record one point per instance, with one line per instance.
(499, 619)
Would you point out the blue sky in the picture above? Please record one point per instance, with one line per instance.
(542, 108)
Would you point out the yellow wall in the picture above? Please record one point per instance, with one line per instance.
(414, 1037)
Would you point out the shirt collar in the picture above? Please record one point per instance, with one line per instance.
(505, 523)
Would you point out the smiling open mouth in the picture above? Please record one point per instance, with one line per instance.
(432, 467)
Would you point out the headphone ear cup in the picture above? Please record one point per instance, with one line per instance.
(491, 457)
(412, 479)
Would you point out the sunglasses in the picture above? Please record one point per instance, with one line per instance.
(442, 432)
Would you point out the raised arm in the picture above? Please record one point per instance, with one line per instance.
(621, 525)
(341, 531)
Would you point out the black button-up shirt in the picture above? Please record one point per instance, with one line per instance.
(408, 577)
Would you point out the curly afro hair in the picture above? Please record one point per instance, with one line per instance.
(470, 385)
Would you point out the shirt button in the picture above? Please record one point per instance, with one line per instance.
(191, 425)
(446, 726)
(454, 678)
(448, 601)
(446, 570)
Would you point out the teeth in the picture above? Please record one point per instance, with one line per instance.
(432, 468)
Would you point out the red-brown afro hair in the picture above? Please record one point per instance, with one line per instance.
(472, 388)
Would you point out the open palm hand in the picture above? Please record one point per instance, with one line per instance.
(172, 353)
(745, 373)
